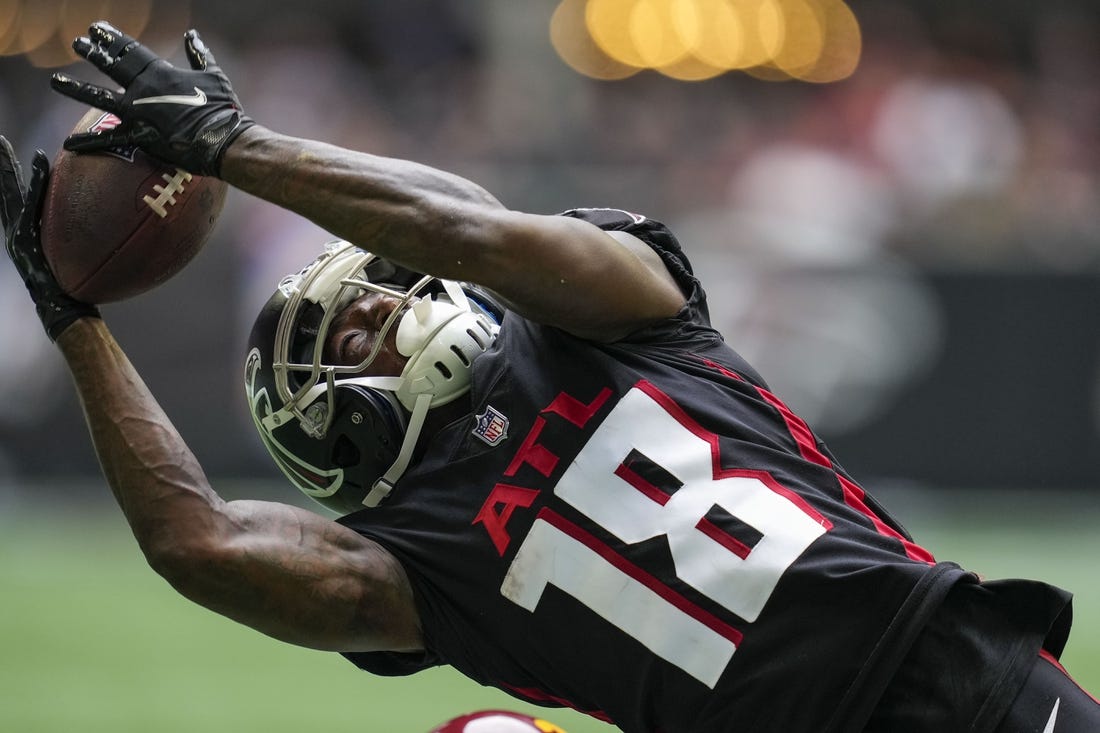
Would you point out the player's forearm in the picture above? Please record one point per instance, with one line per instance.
(156, 480)
(413, 214)
(281, 570)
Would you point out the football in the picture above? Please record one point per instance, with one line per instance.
(118, 223)
(496, 721)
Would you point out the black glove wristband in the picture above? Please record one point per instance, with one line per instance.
(58, 316)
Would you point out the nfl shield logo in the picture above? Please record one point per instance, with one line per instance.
(491, 426)
(107, 122)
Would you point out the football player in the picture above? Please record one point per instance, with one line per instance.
(550, 472)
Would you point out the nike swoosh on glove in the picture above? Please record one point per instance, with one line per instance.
(186, 117)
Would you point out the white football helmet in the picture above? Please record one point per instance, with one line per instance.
(342, 438)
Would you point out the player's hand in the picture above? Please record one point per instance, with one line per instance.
(21, 215)
(187, 117)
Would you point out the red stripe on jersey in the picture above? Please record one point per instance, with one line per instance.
(719, 368)
(724, 538)
(628, 474)
(796, 426)
(717, 470)
(704, 525)
(534, 694)
(1044, 654)
(799, 430)
(854, 496)
(601, 548)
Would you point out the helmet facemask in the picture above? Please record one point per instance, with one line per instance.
(438, 330)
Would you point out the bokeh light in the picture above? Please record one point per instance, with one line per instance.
(842, 41)
(691, 40)
(608, 22)
(9, 24)
(576, 47)
(802, 36)
(37, 22)
(715, 30)
(43, 31)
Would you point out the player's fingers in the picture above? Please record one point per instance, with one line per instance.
(36, 189)
(26, 235)
(198, 53)
(116, 54)
(106, 34)
(88, 142)
(11, 185)
(81, 91)
(94, 53)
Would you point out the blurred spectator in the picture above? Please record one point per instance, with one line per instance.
(965, 140)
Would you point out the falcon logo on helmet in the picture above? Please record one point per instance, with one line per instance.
(342, 438)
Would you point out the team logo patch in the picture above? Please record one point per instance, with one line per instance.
(491, 426)
(106, 122)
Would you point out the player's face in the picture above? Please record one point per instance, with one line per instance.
(354, 331)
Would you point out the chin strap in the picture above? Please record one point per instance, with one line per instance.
(383, 486)
(441, 340)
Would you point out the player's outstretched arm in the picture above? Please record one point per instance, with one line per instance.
(556, 270)
(284, 571)
(560, 271)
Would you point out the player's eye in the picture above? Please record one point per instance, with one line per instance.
(344, 349)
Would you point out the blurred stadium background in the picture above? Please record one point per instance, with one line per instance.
(895, 205)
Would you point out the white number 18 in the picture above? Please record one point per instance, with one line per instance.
(602, 484)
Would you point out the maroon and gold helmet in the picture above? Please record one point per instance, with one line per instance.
(496, 721)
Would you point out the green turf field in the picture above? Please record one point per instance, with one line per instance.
(92, 641)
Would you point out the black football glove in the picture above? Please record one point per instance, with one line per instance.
(21, 214)
(186, 117)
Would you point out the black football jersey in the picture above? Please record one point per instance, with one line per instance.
(645, 532)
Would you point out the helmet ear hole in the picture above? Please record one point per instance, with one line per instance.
(462, 358)
(345, 453)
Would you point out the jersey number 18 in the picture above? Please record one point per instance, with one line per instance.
(648, 471)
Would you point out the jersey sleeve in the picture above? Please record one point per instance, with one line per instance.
(392, 664)
(661, 240)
